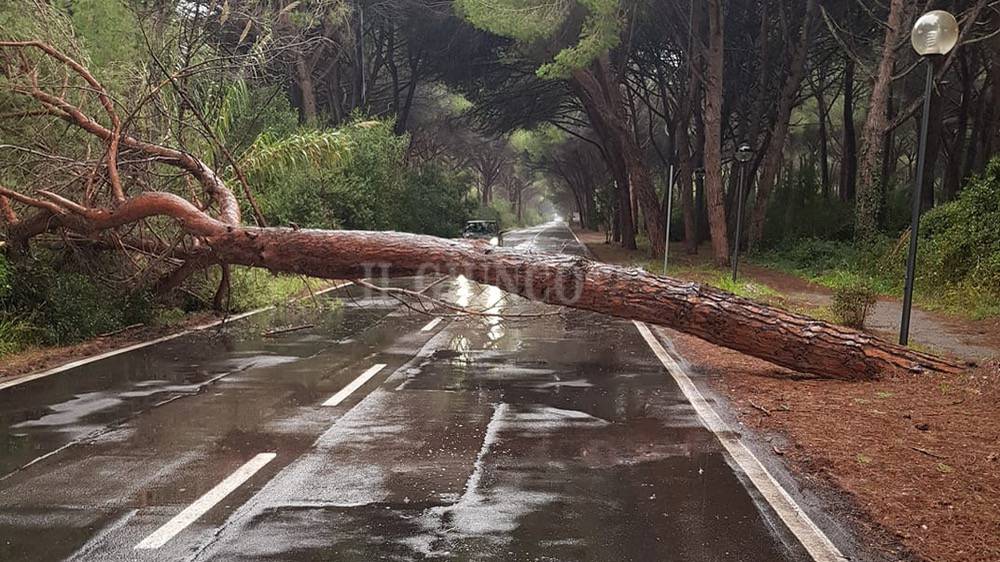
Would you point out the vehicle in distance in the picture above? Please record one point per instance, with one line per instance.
(483, 230)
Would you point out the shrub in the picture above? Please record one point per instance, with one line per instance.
(435, 201)
(5, 277)
(960, 240)
(68, 306)
(852, 303)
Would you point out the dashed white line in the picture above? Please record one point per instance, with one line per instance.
(798, 522)
(431, 325)
(354, 385)
(203, 504)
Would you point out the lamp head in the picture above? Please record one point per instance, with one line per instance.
(935, 33)
(744, 153)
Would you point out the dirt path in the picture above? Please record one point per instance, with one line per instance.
(912, 463)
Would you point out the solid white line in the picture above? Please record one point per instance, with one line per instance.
(430, 325)
(28, 378)
(203, 504)
(354, 385)
(816, 543)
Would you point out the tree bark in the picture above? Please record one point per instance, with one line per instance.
(783, 338)
(307, 89)
(869, 194)
(849, 154)
(934, 131)
(598, 92)
(713, 135)
(776, 146)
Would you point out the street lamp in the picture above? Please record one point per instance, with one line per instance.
(670, 200)
(744, 154)
(935, 33)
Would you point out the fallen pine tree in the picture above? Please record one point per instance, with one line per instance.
(217, 237)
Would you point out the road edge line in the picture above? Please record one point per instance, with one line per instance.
(18, 380)
(813, 539)
(585, 247)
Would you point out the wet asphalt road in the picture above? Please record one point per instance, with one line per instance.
(552, 438)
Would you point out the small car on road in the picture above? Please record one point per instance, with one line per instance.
(483, 230)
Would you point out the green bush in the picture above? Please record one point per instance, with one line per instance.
(435, 201)
(55, 305)
(799, 210)
(960, 240)
(5, 278)
(852, 303)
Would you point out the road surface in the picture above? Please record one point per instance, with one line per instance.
(380, 434)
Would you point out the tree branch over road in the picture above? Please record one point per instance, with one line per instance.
(786, 339)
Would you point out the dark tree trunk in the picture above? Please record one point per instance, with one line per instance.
(713, 134)
(849, 157)
(786, 102)
(869, 196)
(934, 132)
(953, 166)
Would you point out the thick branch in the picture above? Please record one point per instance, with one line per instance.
(786, 339)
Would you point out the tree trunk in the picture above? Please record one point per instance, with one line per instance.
(953, 165)
(824, 151)
(307, 88)
(786, 339)
(713, 135)
(934, 130)
(869, 194)
(599, 95)
(849, 154)
(776, 146)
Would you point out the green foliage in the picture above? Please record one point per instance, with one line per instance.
(356, 177)
(360, 188)
(5, 278)
(255, 288)
(66, 306)
(274, 155)
(600, 33)
(108, 31)
(15, 334)
(799, 210)
(744, 288)
(960, 241)
(523, 20)
(853, 303)
(533, 21)
(435, 201)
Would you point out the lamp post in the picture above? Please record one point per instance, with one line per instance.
(744, 154)
(935, 33)
(666, 227)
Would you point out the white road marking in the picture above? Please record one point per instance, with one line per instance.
(354, 385)
(34, 376)
(430, 325)
(203, 504)
(816, 543)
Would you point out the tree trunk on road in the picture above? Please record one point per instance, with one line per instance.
(786, 339)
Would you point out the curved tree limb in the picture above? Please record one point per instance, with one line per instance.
(784, 338)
